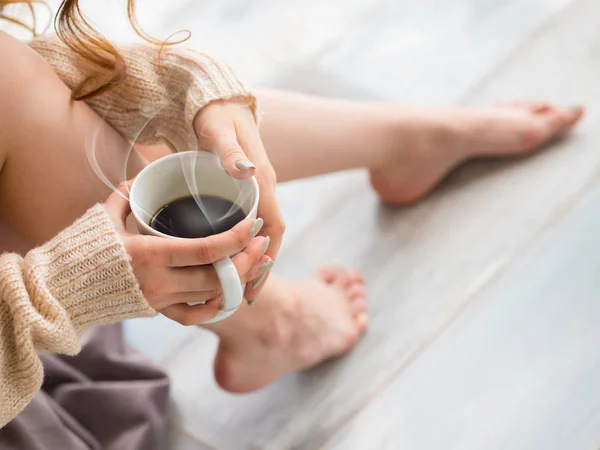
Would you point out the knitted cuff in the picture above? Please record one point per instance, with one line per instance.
(201, 80)
(87, 270)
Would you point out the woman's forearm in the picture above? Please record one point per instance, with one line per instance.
(80, 278)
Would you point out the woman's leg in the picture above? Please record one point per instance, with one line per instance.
(49, 147)
(408, 150)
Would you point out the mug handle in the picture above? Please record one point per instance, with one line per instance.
(233, 294)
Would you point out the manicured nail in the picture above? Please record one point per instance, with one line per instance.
(259, 281)
(266, 245)
(264, 270)
(266, 266)
(244, 165)
(256, 227)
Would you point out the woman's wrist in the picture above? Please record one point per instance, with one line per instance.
(86, 269)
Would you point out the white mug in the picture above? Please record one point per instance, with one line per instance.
(194, 173)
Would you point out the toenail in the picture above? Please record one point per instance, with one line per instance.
(362, 319)
(577, 109)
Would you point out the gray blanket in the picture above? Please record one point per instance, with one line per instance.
(108, 397)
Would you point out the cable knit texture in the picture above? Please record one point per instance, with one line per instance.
(82, 277)
(163, 91)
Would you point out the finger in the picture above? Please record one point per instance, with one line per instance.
(192, 315)
(204, 278)
(117, 205)
(163, 301)
(268, 208)
(197, 252)
(257, 270)
(274, 226)
(248, 260)
(223, 142)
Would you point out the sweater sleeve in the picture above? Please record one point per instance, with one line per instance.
(80, 278)
(161, 93)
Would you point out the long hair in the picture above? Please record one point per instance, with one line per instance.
(75, 32)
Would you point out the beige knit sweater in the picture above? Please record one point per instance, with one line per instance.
(82, 277)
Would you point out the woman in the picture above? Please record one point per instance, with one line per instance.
(56, 156)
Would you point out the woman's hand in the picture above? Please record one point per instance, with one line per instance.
(228, 129)
(173, 272)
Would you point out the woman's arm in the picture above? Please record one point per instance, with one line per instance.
(95, 272)
(92, 272)
(173, 93)
(161, 94)
(80, 278)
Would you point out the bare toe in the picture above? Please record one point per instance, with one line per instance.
(356, 291)
(356, 276)
(558, 121)
(358, 307)
(328, 273)
(530, 106)
(362, 321)
(342, 281)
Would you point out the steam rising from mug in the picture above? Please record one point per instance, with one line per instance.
(92, 149)
(164, 180)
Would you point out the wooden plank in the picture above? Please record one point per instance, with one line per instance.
(179, 440)
(411, 52)
(519, 370)
(559, 60)
(423, 264)
(262, 39)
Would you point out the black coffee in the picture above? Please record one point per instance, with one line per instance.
(185, 219)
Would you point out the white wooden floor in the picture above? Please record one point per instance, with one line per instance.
(484, 299)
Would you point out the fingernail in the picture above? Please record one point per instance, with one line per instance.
(259, 281)
(266, 245)
(266, 266)
(264, 270)
(256, 227)
(244, 165)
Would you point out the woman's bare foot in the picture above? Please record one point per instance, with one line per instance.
(292, 326)
(449, 138)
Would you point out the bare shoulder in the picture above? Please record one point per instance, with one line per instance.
(25, 78)
(17, 61)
